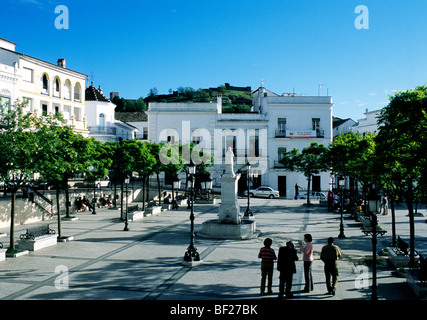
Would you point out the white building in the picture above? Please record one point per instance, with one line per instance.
(276, 124)
(9, 76)
(101, 120)
(342, 125)
(48, 88)
(367, 124)
(293, 122)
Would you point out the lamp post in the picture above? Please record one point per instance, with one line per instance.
(94, 198)
(191, 254)
(341, 182)
(127, 180)
(374, 231)
(248, 211)
(176, 184)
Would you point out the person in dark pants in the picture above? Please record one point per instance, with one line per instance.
(307, 257)
(286, 266)
(267, 256)
(329, 255)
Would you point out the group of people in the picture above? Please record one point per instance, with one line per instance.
(168, 200)
(334, 202)
(286, 258)
(83, 204)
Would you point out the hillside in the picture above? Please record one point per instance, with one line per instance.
(234, 99)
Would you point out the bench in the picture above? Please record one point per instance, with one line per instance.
(399, 253)
(35, 232)
(37, 238)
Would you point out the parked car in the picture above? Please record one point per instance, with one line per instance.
(262, 192)
(314, 195)
(104, 182)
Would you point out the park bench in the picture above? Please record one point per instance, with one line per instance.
(35, 232)
(398, 253)
(37, 238)
(401, 248)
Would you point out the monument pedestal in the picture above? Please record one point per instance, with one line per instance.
(229, 225)
(213, 230)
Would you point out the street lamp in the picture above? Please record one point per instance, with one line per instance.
(341, 183)
(248, 211)
(94, 198)
(191, 254)
(373, 200)
(127, 180)
(374, 231)
(176, 184)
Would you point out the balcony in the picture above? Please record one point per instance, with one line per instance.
(95, 130)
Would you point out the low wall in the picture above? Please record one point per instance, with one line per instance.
(28, 212)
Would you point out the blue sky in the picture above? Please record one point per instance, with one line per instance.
(293, 45)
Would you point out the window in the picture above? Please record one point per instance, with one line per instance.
(67, 90)
(315, 123)
(77, 92)
(196, 139)
(5, 101)
(281, 124)
(145, 133)
(45, 84)
(29, 103)
(280, 153)
(27, 74)
(101, 122)
(254, 145)
(56, 90)
(44, 109)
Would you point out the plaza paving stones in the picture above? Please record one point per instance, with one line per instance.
(105, 263)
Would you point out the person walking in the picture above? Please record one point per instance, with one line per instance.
(384, 204)
(267, 256)
(329, 255)
(286, 266)
(307, 257)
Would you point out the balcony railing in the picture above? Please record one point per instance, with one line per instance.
(100, 130)
(295, 134)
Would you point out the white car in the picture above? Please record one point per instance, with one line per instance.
(262, 192)
(104, 182)
(314, 195)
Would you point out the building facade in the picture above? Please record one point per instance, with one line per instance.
(46, 88)
(101, 121)
(276, 124)
(367, 124)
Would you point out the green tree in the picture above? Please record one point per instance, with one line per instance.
(19, 150)
(310, 161)
(354, 155)
(401, 143)
(62, 155)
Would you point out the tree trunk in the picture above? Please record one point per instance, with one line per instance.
(308, 190)
(67, 201)
(393, 221)
(409, 203)
(121, 202)
(158, 188)
(143, 193)
(12, 221)
(59, 212)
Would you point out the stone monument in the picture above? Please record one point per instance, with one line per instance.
(229, 224)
